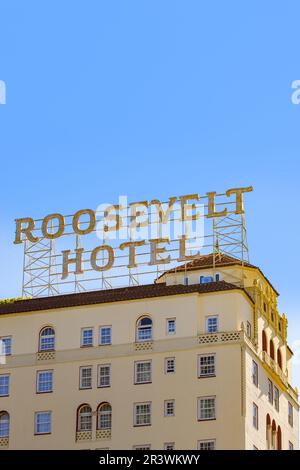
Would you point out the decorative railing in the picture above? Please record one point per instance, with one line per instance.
(104, 434)
(275, 368)
(4, 442)
(84, 436)
(45, 355)
(222, 337)
(143, 346)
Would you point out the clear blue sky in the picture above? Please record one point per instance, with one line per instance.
(153, 99)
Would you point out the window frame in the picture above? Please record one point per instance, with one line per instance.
(206, 441)
(2, 341)
(207, 319)
(270, 392)
(254, 373)
(104, 413)
(209, 397)
(255, 419)
(38, 373)
(166, 365)
(80, 377)
(100, 335)
(168, 321)
(166, 402)
(135, 405)
(99, 375)
(7, 415)
(87, 328)
(136, 364)
(203, 376)
(79, 415)
(290, 414)
(138, 328)
(276, 394)
(40, 349)
(36, 414)
(8, 385)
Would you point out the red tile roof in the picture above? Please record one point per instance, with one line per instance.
(113, 295)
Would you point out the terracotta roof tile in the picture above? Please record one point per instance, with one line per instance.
(112, 295)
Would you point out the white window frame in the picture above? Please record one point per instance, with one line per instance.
(81, 387)
(100, 335)
(255, 418)
(206, 441)
(254, 373)
(168, 332)
(99, 375)
(166, 365)
(2, 338)
(43, 348)
(199, 400)
(135, 415)
(5, 424)
(37, 413)
(136, 364)
(201, 376)
(209, 317)
(8, 385)
(166, 403)
(82, 345)
(38, 373)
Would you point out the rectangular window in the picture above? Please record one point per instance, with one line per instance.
(171, 326)
(5, 346)
(255, 416)
(142, 414)
(105, 335)
(290, 414)
(206, 408)
(142, 447)
(186, 281)
(206, 365)
(87, 337)
(169, 407)
(104, 375)
(276, 398)
(291, 446)
(85, 377)
(206, 279)
(44, 381)
(4, 385)
(170, 365)
(142, 372)
(207, 444)
(43, 422)
(248, 329)
(255, 373)
(169, 446)
(212, 324)
(270, 392)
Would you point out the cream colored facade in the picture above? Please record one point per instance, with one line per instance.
(240, 317)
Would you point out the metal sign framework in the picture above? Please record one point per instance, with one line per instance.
(42, 263)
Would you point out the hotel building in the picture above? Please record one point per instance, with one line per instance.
(197, 360)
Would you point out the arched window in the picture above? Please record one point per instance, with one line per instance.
(104, 416)
(272, 353)
(84, 418)
(4, 424)
(264, 341)
(274, 436)
(279, 438)
(144, 329)
(47, 339)
(279, 358)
